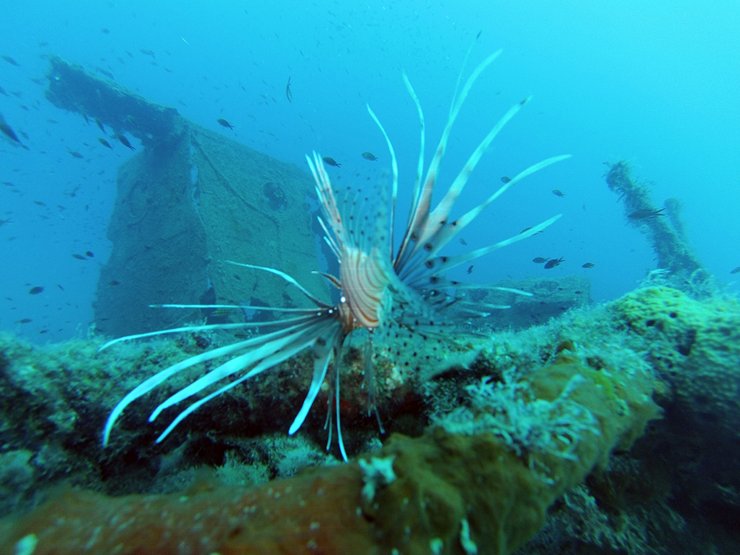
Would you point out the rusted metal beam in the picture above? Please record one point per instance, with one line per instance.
(72, 88)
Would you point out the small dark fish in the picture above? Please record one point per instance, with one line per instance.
(89, 254)
(5, 221)
(558, 193)
(288, 92)
(478, 35)
(539, 260)
(114, 282)
(105, 143)
(505, 179)
(147, 52)
(224, 123)
(79, 256)
(39, 203)
(645, 213)
(73, 192)
(11, 61)
(369, 156)
(463, 242)
(35, 290)
(24, 321)
(124, 141)
(329, 160)
(100, 125)
(735, 270)
(553, 262)
(530, 227)
(75, 154)
(587, 265)
(470, 269)
(8, 131)
(60, 286)
(105, 72)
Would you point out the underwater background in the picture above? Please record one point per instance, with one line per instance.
(598, 412)
(652, 83)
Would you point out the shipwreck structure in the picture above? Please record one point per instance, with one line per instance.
(663, 227)
(190, 201)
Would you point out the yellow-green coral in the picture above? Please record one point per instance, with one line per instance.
(694, 345)
(443, 493)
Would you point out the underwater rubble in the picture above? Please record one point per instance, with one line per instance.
(548, 298)
(609, 429)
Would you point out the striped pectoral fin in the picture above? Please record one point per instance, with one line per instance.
(154, 381)
(184, 329)
(323, 349)
(298, 342)
(262, 349)
(290, 279)
(337, 408)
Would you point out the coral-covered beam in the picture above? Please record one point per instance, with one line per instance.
(439, 493)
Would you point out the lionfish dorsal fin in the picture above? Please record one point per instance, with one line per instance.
(327, 200)
(447, 232)
(441, 264)
(394, 169)
(417, 222)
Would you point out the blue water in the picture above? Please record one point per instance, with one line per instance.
(655, 83)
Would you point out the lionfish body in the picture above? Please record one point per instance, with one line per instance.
(378, 284)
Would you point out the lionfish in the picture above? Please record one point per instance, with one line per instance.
(380, 283)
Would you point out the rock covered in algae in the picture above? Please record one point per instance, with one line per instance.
(695, 346)
(487, 489)
(446, 493)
